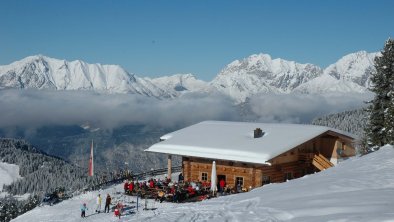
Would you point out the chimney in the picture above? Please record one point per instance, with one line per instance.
(258, 133)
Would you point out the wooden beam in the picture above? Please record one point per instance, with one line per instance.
(169, 166)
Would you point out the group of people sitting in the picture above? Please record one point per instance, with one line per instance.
(167, 190)
(181, 191)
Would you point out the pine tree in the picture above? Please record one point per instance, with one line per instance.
(388, 68)
(380, 128)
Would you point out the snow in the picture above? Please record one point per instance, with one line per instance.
(359, 189)
(260, 73)
(234, 140)
(8, 174)
(69, 210)
(328, 84)
(41, 72)
(181, 83)
(240, 79)
(354, 67)
(351, 73)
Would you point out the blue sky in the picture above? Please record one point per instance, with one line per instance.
(155, 38)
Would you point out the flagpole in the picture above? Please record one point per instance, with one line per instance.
(91, 161)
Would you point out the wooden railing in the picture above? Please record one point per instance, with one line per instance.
(139, 176)
(321, 163)
(156, 172)
(317, 160)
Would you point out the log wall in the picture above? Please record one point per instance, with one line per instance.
(288, 165)
(251, 173)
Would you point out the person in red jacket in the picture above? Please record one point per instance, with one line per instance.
(222, 184)
(131, 187)
(172, 190)
(151, 183)
(126, 186)
(118, 209)
(191, 191)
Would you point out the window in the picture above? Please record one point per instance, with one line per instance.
(239, 181)
(204, 176)
(340, 144)
(266, 180)
(288, 176)
(340, 149)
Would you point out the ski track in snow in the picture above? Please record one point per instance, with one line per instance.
(359, 189)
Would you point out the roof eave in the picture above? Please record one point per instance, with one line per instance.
(244, 160)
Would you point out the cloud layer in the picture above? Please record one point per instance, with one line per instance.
(33, 108)
(303, 108)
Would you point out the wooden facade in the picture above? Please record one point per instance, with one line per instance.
(194, 168)
(312, 156)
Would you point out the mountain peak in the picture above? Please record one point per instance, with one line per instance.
(31, 59)
(259, 73)
(259, 57)
(243, 78)
(42, 72)
(356, 67)
(181, 83)
(358, 55)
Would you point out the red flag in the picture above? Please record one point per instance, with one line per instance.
(91, 169)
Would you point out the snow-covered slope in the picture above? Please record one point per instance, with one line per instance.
(359, 189)
(261, 74)
(8, 174)
(327, 84)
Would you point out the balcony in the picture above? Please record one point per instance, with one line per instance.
(316, 159)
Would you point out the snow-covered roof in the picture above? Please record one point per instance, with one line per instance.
(235, 140)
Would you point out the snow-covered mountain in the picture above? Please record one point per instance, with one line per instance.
(41, 72)
(355, 67)
(180, 83)
(261, 74)
(256, 74)
(327, 83)
(351, 73)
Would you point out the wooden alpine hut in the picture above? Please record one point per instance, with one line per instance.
(254, 154)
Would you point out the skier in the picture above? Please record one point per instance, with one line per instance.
(98, 209)
(107, 203)
(83, 210)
